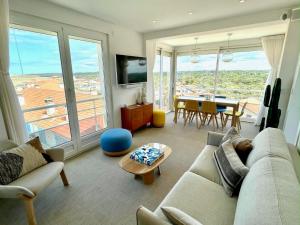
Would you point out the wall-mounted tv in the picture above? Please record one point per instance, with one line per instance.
(131, 69)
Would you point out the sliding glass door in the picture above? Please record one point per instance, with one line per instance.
(88, 78)
(36, 72)
(162, 81)
(59, 79)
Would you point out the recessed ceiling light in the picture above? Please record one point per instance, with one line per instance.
(242, 1)
(190, 13)
(155, 21)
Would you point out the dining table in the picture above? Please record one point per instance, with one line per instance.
(227, 102)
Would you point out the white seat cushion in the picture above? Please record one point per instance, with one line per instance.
(269, 142)
(270, 194)
(202, 199)
(205, 166)
(39, 178)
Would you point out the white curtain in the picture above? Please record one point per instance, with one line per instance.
(150, 54)
(13, 116)
(272, 46)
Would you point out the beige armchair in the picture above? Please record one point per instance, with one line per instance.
(28, 186)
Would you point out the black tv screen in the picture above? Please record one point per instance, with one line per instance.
(131, 69)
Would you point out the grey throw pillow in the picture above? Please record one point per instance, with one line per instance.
(10, 167)
(178, 217)
(230, 167)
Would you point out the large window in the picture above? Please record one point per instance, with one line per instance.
(36, 72)
(88, 79)
(243, 78)
(59, 107)
(162, 81)
(196, 78)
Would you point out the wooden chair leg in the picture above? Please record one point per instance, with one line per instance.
(217, 121)
(64, 178)
(210, 119)
(187, 118)
(213, 120)
(226, 119)
(29, 210)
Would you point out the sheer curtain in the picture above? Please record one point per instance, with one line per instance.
(150, 54)
(13, 116)
(272, 46)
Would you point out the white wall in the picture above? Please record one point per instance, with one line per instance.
(288, 66)
(121, 40)
(220, 24)
(292, 120)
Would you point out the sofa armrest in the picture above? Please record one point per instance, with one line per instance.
(145, 217)
(214, 138)
(56, 154)
(7, 191)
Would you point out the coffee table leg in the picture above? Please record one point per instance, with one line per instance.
(148, 178)
(158, 170)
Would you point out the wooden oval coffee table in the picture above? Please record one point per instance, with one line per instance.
(147, 172)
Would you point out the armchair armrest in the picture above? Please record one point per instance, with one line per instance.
(57, 154)
(145, 217)
(214, 138)
(7, 191)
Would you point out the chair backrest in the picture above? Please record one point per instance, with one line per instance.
(243, 108)
(6, 145)
(209, 107)
(192, 105)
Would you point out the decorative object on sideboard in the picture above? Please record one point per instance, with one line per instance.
(144, 96)
(139, 98)
(272, 103)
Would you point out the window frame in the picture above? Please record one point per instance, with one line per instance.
(36, 24)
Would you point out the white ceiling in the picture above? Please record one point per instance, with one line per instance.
(139, 14)
(237, 34)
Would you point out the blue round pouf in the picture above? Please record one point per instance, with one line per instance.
(116, 141)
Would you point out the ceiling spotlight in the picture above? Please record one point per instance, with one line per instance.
(242, 1)
(190, 13)
(155, 21)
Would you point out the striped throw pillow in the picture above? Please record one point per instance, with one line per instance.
(230, 167)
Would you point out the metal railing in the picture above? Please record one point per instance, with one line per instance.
(62, 114)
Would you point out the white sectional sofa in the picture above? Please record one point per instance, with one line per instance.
(269, 195)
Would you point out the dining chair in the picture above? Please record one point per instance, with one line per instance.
(221, 109)
(192, 111)
(179, 106)
(238, 115)
(209, 109)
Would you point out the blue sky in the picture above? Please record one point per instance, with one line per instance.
(36, 53)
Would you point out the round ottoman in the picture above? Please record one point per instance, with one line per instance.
(159, 118)
(116, 141)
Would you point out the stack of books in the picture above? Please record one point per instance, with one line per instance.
(146, 154)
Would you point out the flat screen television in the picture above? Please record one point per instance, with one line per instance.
(131, 69)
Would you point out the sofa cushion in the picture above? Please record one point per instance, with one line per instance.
(31, 157)
(39, 178)
(270, 194)
(145, 217)
(269, 142)
(200, 198)
(178, 217)
(205, 166)
(230, 167)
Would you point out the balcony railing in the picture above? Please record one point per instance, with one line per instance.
(91, 109)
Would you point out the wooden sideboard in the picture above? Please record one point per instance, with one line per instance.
(136, 116)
